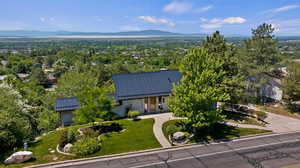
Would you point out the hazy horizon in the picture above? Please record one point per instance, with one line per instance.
(179, 16)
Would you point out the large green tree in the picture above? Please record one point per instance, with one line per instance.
(261, 52)
(199, 89)
(15, 119)
(72, 83)
(220, 49)
(94, 103)
(292, 82)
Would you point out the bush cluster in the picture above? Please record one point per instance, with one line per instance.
(63, 139)
(133, 114)
(86, 145)
(171, 129)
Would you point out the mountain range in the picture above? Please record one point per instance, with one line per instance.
(34, 33)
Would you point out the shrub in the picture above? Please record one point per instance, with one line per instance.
(171, 129)
(63, 139)
(88, 132)
(72, 135)
(133, 114)
(86, 146)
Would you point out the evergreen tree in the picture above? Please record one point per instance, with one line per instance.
(226, 53)
(261, 52)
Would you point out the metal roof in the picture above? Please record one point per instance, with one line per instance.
(65, 104)
(147, 84)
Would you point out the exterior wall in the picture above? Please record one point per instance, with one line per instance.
(141, 105)
(135, 104)
(271, 92)
(166, 103)
(120, 110)
(66, 118)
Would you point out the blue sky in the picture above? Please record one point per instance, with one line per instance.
(184, 16)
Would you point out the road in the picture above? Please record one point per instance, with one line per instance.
(269, 151)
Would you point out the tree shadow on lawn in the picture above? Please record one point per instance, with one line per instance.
(235, 116)
(218, 132)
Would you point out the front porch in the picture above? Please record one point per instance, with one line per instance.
(155, 104)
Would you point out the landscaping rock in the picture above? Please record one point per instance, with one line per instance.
(19, 157)
(52, 151)
(179, 136)
(67, 148)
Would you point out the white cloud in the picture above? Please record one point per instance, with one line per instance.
(217, 22)
(282, 9)
(203, 19)
(129, 28)
(291, 26)
(98, 19)
(177, 7)
(204, 9)
(47, 20)
(154, 20)
(234, 20)
(42, 19)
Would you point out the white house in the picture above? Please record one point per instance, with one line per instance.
(146, 92)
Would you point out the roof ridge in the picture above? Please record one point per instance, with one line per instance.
(136, 73)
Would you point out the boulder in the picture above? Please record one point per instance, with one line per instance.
(179, 136)
(19, 157)
(67, 148)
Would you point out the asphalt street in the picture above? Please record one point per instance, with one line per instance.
(264, 152)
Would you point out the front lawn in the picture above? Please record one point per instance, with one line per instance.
(138, 135)
(220, 131)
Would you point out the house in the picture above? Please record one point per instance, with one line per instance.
(146, 92)
(2, 77)
(65, 107)
(267, 88)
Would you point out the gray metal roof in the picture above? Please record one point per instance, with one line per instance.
(65, 104)
(147, 84)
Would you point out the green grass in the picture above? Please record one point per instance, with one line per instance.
(220, 131)
(242, 119)
(138, 135)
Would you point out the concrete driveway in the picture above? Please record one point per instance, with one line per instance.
(280, 123)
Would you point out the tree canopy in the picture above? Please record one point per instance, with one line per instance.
(199, 90)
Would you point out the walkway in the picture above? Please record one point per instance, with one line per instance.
(157, 127)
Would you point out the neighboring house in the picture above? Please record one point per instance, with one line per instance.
(23, 75)
(144, 92)
(2, 77)
(66, 107)
(267, 88)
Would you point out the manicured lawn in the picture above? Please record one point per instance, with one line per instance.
(242, 119)
(220, 131)
(138, 135)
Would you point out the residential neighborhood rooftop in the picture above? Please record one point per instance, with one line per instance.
(65, 104)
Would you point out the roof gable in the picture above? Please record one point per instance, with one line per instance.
(138, 85)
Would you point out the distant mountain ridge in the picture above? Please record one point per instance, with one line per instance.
(34, 33)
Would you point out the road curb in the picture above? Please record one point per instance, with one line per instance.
(155, 150)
